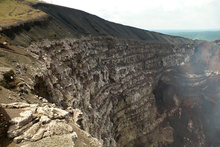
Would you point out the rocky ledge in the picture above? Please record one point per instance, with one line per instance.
(31, 124)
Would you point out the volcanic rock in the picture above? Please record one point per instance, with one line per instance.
(35, 122)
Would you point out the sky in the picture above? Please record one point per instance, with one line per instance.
(153, 14)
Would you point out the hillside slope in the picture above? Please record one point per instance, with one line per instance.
(87, 24)
(61, 22)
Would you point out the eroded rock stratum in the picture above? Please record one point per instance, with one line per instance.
(112, 82)
(136, 93)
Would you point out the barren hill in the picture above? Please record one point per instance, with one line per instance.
(64, 22)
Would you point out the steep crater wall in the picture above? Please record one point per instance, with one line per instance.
(112, 82)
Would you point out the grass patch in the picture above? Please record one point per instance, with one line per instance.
(16, 10)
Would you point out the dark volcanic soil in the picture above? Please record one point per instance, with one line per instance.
(62, 22)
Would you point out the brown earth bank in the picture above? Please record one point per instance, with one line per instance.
(134, 87)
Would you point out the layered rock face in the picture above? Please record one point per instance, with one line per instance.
(133, 93)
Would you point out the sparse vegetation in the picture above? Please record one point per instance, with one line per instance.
(16, 10)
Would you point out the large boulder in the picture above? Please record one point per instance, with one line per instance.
(7, 77)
